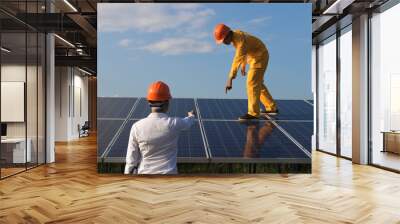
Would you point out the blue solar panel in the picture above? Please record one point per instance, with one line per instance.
(293, 110)
(119, 147)
(178, 107)
(254, 141)
(227, 140)
(114, 107)
(226, 109)
(190, 143)
(106, 130)
(301, 131)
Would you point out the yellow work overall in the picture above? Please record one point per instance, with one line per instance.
(250, 50)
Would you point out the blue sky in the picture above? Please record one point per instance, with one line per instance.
(141, 43)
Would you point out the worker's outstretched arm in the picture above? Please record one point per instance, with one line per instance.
(240, 56)
(187, 122)
(132, 155)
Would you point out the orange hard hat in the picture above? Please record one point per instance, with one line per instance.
(158, 91)
(220, 32)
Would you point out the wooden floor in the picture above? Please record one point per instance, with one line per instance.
(70, 191)
(11, 170)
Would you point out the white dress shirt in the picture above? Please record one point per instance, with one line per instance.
(153, 142)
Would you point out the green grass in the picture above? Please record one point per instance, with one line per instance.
(220, 168)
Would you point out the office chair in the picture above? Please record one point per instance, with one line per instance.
(84, 130)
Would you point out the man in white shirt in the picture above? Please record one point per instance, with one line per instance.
(152, 147)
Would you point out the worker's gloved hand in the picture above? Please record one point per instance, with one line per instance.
(227, 88)
(228, 85)
(191, 113)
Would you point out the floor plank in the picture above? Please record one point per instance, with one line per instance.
(71, 191)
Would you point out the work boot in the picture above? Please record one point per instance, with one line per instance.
(270, 112)
(247, 117)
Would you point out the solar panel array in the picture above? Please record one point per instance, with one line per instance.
(217, 136)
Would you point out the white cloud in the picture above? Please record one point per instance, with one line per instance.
(250, 24)
(181, 27)
(178, 46)
(146, 17)
(124, 42)
(259, 20)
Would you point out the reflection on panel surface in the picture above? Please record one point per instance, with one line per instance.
(252, 141)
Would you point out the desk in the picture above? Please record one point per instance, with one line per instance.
(391, 141)
(15, 148)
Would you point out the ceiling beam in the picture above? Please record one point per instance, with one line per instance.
(86, 27)
(81, 61)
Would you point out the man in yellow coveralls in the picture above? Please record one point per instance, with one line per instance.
(249, 50)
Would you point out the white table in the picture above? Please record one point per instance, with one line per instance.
(18, 144)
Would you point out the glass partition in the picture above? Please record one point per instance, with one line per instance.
(22, 88)
(385, 89)
(327, 95)
(346, 92)
(14, 153)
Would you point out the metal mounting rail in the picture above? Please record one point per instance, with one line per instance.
(203, 133)
(309, 103)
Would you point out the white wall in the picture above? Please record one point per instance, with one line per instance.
(70, 84)
(61, 103)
